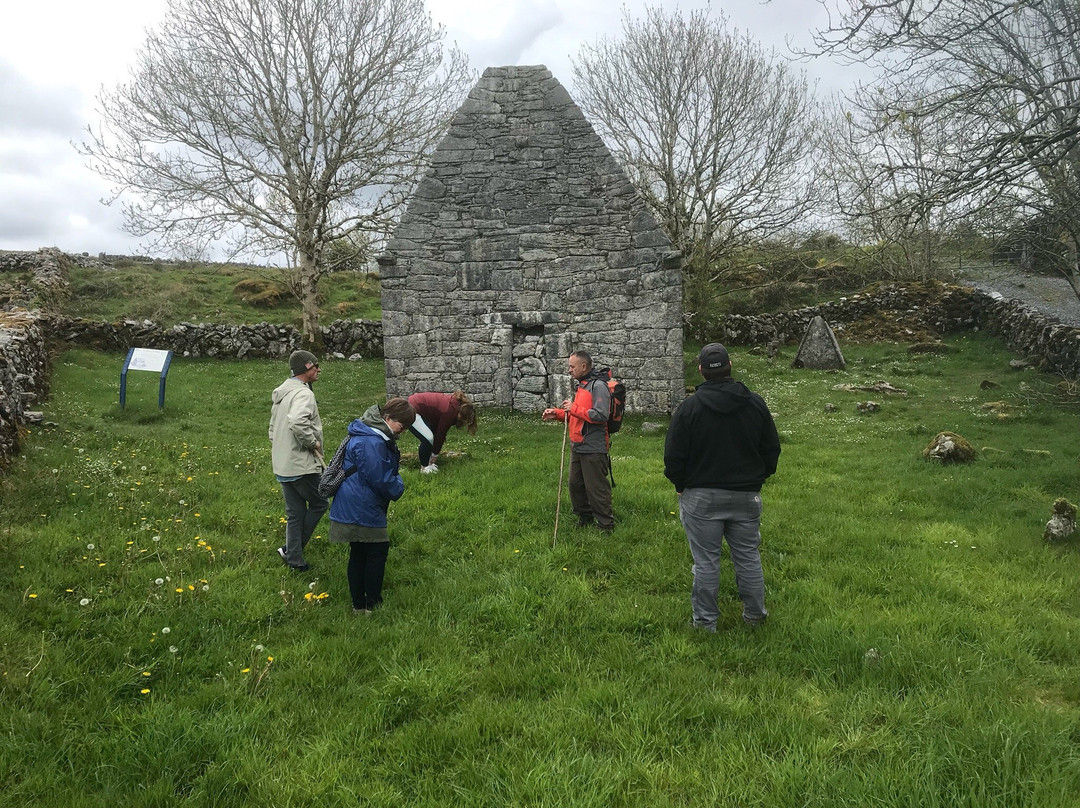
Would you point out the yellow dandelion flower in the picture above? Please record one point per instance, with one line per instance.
(269, 659)
(33, 595)
(146, 673)
(246, 670)
(190, 588)
(145, 690)
(180, 589)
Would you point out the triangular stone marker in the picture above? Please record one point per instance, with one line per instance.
(819, 349)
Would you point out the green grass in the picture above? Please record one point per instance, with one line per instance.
(170, 294)
(504, 671)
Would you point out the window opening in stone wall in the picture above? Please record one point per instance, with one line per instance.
(529, 375)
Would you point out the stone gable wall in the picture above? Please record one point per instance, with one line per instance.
(525, 241)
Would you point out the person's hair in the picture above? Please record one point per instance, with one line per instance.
(715, 373)
(466, 418)
(584, 357)
(400, 410)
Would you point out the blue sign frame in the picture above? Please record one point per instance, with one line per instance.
(148, 359)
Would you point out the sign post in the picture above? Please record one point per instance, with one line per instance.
(150, 359)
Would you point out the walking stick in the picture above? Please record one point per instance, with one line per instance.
(558, 499)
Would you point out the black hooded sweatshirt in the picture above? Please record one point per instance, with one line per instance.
(723, 436)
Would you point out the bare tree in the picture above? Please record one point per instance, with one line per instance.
(277, 126)
(885, 172)
(1005, 73)
(717, 134)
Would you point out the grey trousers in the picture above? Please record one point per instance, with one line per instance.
(590, 489)
(709, 515)
(304, 507)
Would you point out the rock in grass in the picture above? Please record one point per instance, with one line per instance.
(1062, 522)
(948, 447)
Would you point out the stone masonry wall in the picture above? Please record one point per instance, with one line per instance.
(525, 241)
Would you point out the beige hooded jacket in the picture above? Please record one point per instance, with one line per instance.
(295, 430)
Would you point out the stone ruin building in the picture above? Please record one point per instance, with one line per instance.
(525, 241)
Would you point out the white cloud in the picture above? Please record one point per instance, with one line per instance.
(57, 54)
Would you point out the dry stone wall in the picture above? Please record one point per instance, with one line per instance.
(936, 308)
(342, 338)
(24, 375)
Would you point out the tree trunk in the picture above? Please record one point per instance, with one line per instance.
(309, 301)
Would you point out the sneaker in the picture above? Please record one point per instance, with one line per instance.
(702, 626)
(281, 552)
(361, 611)
(300, 567)
(429, 469)
(605, 528)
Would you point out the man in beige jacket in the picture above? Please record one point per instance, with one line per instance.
(297, 452)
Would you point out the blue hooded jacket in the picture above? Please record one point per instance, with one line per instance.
(364, 496)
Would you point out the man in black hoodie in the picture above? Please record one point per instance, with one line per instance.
(721, 446)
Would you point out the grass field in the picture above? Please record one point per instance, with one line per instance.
(922, 648)
(217, 293)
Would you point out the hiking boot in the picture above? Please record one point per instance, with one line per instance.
(605, 528)
(583, 522)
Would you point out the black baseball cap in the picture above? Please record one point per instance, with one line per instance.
(713, 356)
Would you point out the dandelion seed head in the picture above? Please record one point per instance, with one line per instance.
(84, 602)
(206, 587)
(159, 581)
(89, 547)
(166, 630)
(259, 649)
(173, 649)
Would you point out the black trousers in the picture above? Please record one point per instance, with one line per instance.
(367, 564)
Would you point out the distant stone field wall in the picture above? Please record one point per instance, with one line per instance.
(28, 335)
(342, 338)
(934, 308)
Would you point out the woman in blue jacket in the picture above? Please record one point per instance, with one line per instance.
(358, 513)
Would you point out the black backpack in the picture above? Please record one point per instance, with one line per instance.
(334, 474)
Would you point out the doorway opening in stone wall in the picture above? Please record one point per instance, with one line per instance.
(529, 374)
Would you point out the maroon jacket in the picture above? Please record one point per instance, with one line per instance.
(439, 411)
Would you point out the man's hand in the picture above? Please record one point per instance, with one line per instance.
(551, 414)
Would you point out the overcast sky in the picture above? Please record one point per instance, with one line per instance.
(55, 55)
